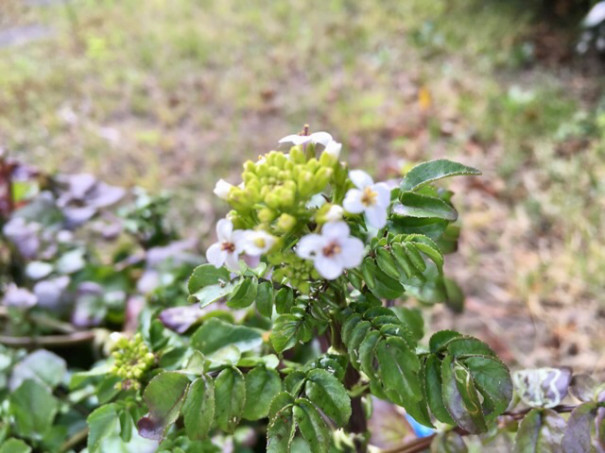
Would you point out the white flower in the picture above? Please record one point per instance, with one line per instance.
(256, 243)
(332, 251)
(333, 149)
(334, 214)
(228, 248)
(369, 198)
(222, 189)
(322, 138)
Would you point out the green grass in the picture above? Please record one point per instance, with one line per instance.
(175, 94)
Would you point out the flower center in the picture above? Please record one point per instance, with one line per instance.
(333, 248)
(369, 197)
(260, 243)
(229, 247)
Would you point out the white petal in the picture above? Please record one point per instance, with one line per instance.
(322, 138)
(222, 189)
(360, 178)
(352, 202)
(352, 252)
(232, 262)
(316, 201)
(333, 149)
(334, 214)
(216, 255)
(335, 230)
(295, 139)
(328, 267)
(257, 242)
(238, 238)
(595, 16)
(384, 194)
(377, 216)
(309, 246)
(224, 228)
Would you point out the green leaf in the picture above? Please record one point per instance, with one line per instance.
(311, 426)
(454, 296)
(356, 338)
(164, 397)
(126, 425)
(206, 275)
(492, 378)
(427, 246)
(432, 375)
(216, 334)
(264, 299)
(230, 398)
(198, 408)
(243, 293)
(421, 206)
(367, 355)
(262, 385)
(428, 172)
(381, 285)
(102, 423)
(412, 319)
(280, 401)
(540, 431)
(328, 393)
(33, 408)
(581, 424)
(281, 431)
(440, 340)
(207, 284)
(42, 366)
(13, 445)
(287, 330)
(460, 397)
(542, 387)
(284, 299)
(465, 346)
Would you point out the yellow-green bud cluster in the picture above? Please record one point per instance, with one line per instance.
(277, 188)
(132, 359)
(297, 271)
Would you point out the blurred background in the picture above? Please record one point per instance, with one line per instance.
(173, 94)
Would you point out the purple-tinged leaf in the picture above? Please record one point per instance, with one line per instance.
(581, 424)
(540, 431)
(542, 387)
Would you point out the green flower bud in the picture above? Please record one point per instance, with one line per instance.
(286, 222)
(266, 215)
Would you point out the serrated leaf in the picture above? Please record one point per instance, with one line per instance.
(284, 299)
(102, 423)
(198, 408)
(420, 206)
(280, 401)
(164, 397)
(433, 385)
(384, 287)
(428, 172)
(126, 425)
(354, 342)
(287, 330)
(367, 356)
(262, 385)
(328, 393)
(540, 431)
(230, 398)
(580, 427)
(440, 340)
(311, 426)
(460, 397)
(34, 408)
(264, 299)
(216, 334)
(243, 294)
(492, 379)
(465, 346)
(542, 387)
(206, 275)
(281, 431)
(411, 318)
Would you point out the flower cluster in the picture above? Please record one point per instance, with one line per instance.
(132, 359)
(296, 209)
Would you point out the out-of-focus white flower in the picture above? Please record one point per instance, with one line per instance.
(369, 198)
(228, 248)
(332, 251)
(321, 138)
(333, 149)
(596, 15)
(334, 214)
(19, 297)
(257, 243)
(222, 189)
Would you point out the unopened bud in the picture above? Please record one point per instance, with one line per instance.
(222, 189)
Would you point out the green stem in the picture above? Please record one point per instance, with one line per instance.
(74, 440)
(48, 340)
